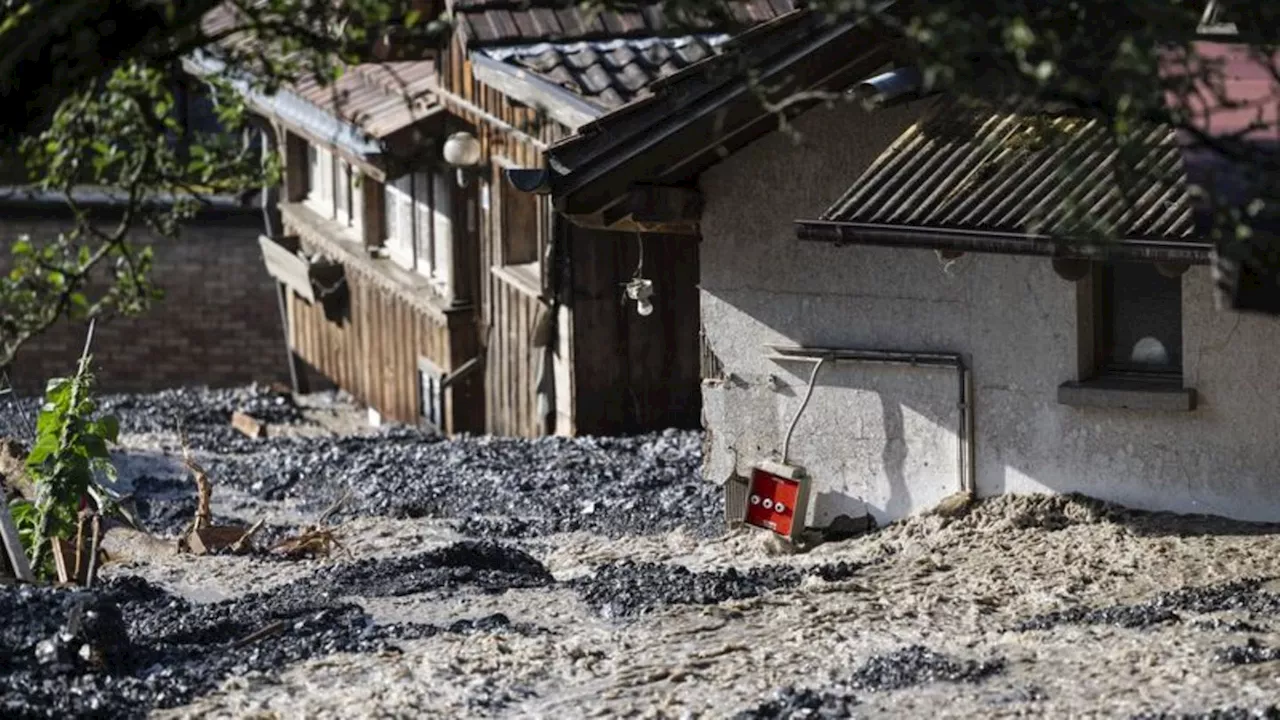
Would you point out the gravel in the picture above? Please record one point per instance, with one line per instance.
(1245, 594)
(1271, 712)
(908, 667)
(494, 487)
(491, 487)
(800, 704)
(1249, 653)
(626, 588)
(916, 665)
(128, 646)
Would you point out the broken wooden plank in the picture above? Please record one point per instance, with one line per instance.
(64, 559)
(208, 540)
(248, 424)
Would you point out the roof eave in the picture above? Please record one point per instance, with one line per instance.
(1172, 250)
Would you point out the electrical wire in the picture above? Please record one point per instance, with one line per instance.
(813, 377)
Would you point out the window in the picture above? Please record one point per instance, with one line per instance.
(519, 225)
(399, 210)
(419, 224)
(1138, 327)
(1130, 343)
(431, 394)
(442, 228)
(320, 185)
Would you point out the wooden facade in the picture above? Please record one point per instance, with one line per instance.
(536, 321)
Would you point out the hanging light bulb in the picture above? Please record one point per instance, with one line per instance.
(641, 289)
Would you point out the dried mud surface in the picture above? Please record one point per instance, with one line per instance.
(590, 578)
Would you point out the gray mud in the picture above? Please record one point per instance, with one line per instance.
(592, 578)
(625, 588)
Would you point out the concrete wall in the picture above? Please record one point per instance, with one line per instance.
(218, 324)
(883, 438)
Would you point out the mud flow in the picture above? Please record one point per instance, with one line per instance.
(593, 577)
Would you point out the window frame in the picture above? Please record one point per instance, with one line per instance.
(431, 410)
(507, 197)
(420, 237)
(1099, 386)
(1104, 323)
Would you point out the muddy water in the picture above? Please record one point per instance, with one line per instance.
(1054, 607)
(959, 589)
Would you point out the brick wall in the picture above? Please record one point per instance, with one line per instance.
(218, 324)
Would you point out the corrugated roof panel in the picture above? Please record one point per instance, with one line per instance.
(983, 169)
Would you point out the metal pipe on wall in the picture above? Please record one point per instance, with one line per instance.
(966, 446)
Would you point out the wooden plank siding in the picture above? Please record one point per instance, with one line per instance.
(634, 373)
(507, 311)
(374, 353)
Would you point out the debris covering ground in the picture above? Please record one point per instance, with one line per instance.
(591, 578)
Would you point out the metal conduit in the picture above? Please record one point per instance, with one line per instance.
(966, 469)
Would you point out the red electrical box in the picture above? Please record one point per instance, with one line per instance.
(778, 499)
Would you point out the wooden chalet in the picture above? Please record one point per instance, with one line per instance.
(425, 284)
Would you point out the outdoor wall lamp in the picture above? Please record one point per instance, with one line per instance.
(462, 151)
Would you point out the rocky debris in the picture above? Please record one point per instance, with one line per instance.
(486, 566)
(1271, 712)
(1249, 653)
(128, 646)
(199, 409)
(916, 665)
(910, 666)
(1238, 595)
(496, 487)
(626, 588)
(801, 704)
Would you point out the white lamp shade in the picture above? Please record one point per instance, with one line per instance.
(462, 149)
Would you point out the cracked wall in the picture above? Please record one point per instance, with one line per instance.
(883, 439)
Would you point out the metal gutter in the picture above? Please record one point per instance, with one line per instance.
(289, 108)
(1003, 243)
(967, 445)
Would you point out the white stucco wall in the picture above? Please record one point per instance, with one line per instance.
(883, 439)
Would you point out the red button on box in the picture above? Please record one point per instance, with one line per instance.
(777, 499)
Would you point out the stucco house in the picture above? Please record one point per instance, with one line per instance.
(886, 299)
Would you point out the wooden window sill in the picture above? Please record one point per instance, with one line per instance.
(1129, 394)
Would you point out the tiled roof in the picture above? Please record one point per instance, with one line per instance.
(984, 170)
(377, 98)
(512, 22)
(609, 73)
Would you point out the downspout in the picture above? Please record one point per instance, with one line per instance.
(966, 471)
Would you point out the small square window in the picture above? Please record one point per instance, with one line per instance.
(1138, 320)
(1130, 341)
